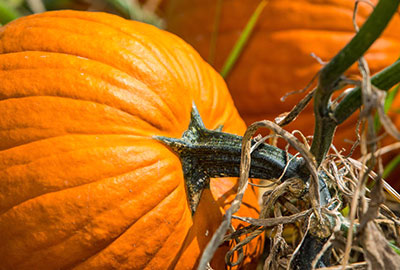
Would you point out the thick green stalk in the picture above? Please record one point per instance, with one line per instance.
(329, 79)
(361, 42)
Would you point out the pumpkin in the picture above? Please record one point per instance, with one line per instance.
(277, 58)
(83, 183)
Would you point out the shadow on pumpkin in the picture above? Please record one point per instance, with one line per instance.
(201, 232)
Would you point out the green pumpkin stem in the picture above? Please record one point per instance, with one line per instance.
(208, 153)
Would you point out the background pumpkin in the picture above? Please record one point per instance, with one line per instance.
(277, 59)
(83, 184)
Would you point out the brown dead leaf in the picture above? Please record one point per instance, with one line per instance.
(377, 251)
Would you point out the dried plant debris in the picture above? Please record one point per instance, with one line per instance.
(291, 227)
(377, 251)
(332, 216)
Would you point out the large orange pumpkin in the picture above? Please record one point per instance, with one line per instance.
(83, 184)
(277, 58)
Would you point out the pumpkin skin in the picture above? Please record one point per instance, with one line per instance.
(277, 59)
(83, 184)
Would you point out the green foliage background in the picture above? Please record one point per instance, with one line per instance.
(130, 9)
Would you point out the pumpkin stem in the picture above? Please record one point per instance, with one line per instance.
(208, 153)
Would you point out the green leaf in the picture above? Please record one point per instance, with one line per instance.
(134, 11)
(393, 164)
(214, 33)
(345, 211)
(7, 12)
(59, 4)
(395, 248)
(242, 41)
(15, 3)
(390, 97)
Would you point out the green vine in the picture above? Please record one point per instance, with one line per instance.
(384, 80)
(330, 76)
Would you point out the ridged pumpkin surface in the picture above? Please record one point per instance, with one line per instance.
(82, 183)
(277, 58)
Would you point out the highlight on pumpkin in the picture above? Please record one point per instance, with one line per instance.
(122, 148)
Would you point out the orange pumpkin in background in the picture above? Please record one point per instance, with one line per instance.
(83, 184)
(277, 58)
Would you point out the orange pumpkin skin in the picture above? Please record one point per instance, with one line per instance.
(277, 58)
(83, 184)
